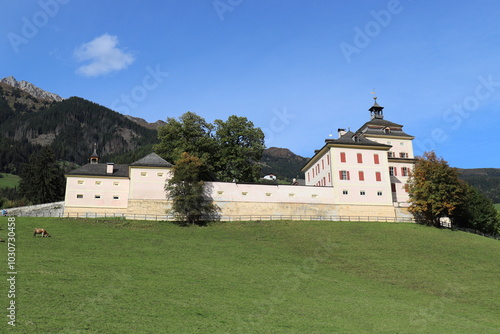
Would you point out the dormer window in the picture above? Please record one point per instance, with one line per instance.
(387, 131)
(355, 139)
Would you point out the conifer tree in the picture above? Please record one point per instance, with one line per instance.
(42, 179)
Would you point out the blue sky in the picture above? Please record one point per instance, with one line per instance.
(298, 69)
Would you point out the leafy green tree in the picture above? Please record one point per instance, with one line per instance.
(229, 150)
(477, 212)
(192, 134)
(240, 146)
(434, 189)
(187, 191)
(42, 179)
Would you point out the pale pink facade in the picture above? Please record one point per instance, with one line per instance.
(360, 173)
(103, 192)
(370, 166)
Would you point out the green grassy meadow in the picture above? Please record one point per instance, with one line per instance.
(117, 276)
(9, 180)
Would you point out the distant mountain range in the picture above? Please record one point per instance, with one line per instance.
(31, 117)
(31, 89)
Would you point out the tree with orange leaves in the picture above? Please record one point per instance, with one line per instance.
(434, 189)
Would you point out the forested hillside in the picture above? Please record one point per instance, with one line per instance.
(486, 180)
(283, 163)
(71, 127)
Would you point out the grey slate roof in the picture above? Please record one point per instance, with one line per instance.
(119, 170)
(377, 125)
(347, 138)
(152, 160)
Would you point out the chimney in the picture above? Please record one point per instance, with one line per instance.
(109, 168)
(341, 132)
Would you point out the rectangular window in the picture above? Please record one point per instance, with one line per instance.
(360, 158)
(390, 155)
(328, 159)
(159, 174)
(344, 175)
(404, 171)
(98, 183)
(342, 157)
(116, 183)
(345, 192)
(329, 178)
(379, 193)
(361, 175)
(116, 197)
(97, 196)
(323, 164)
(362, 193)
(80, 181)
(403, 155)
(79, 196)
(308, 177)
(391, 171)
(144, 173)
(407, 188)
(378, 176)
(376, 159)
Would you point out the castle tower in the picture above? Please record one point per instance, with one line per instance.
(376, 110)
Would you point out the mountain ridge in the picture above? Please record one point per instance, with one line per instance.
(31, 89)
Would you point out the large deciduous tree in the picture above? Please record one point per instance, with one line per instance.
(477, 212)
(434, 189)
(230, 150)
(240, 146)
(190, 202)
(192, 134)
(42, 179)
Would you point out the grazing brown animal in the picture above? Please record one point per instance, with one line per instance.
(41, 231)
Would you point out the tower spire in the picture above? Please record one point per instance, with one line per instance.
(376, 109)
(94, 157)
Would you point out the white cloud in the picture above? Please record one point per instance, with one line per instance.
(104, 56)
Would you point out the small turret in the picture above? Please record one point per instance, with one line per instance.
(94, 157)
(376, 110)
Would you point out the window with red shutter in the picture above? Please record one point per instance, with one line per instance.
(361, 176)
(342, 157)
(378, 176)
(376, 159)
(360, 158)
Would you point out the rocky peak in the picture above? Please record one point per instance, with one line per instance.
(31, 89)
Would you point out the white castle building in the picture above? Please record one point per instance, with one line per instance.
(361, 173)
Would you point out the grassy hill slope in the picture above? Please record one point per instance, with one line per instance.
(118, 276)
(9, 180)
